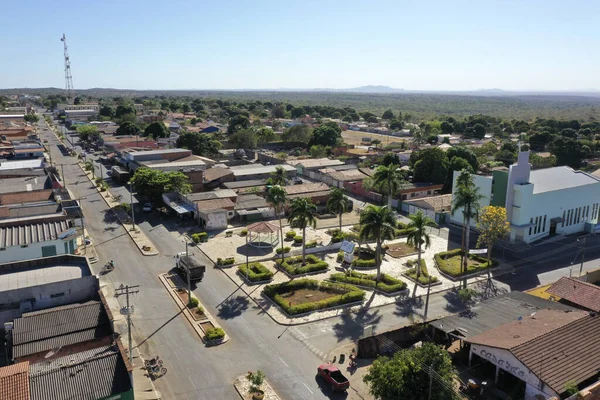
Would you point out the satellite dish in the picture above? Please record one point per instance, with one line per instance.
(53, 352)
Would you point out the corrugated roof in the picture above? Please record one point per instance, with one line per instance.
(243, 184)
(14, 382)
(248, 201)
(215, 173)
(87, 375)
(215, 194)
(493, 312)
(31, 233)
(214, 204)
(571, 352)
(258, 169)
(577, 292)
(315, 162)
(24, 184)
(306, 188)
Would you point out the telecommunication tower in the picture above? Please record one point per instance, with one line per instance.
(68, 77)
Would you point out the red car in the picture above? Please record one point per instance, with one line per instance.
(333, 376)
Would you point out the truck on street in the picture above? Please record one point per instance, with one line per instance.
(186, 264)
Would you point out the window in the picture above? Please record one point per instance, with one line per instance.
(413, 194)
(24, 245)
(564, 221)
(544, 226)
(55, 295)
(530, 225)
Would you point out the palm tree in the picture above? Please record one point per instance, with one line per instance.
(418, 235)
(277, 197)
(418, 136)
(302, 215)
(337, 203)
(279, 176)
(389, 178)
(89, 166)
(466, 197)
(379, 222)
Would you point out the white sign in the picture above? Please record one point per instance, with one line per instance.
(478, 251)
(347, 247)
(348, 258)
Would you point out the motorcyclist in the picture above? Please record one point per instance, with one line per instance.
(112, 263)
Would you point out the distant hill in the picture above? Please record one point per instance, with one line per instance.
(373, 89)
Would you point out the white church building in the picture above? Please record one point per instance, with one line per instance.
(540, 203)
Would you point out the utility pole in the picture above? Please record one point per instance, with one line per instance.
(128, 311)
(64, 178)
(430, 379)
(131, 203)
(582, 255)
(188, 272)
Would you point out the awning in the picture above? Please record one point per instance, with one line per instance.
(180, 208)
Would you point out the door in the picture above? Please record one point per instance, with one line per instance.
(552, 228)
(48, 251)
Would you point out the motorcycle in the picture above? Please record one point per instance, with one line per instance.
(109, 266)
(154, 366)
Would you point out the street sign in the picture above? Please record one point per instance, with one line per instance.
(478, 251)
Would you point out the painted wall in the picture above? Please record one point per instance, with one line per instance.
(34, 250)
(484, 183)
(499, 188)
(518, 174)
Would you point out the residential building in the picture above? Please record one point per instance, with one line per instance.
(251, 207)
(339, 177)
(245, 186)
(82, 115)
(21, 168)
(78, 107)
(43, 283)
(576, 293)
(35, 237)
(435, 207)
(14, 382)
(313, 164)
(12, 118)
(31, 149)
(15, 110)
(540, 203)
(215, 176)
(416, 190)
(318, 193)
(258, 171)
(214, 214)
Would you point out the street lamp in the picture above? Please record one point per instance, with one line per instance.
(131, 204)
(187, 261)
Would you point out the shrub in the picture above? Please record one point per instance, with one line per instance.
(199, 237)
(340, 257)
(387, 283)
(293, 265)
(243, 232)
(311, 244)
(423, 277)
(297, 239)
(400, 225)
(290, 235)
(344, 294)
(337, 239)
(449, 263)
(215, 333)
(358, 263)
(227, 261)
(466, 294)
(286, 249)
(336, 235)
(193, 302)
(256, 272)
(402, 232)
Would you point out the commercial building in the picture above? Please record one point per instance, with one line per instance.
(83, 115)
(436, 207)
(258, 171)
(313, 164)
(77, 107)
(540, 203)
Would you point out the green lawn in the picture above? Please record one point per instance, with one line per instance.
(423, 277)
(449, 263)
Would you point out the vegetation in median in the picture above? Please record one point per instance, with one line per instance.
(424, 277)
(226, 261)
(256, 272)
(290, 235)
(293, 265)
(387, 283)
(448, 262)
(200, 237)
(305, 295)
(214, 333)
(364, 258)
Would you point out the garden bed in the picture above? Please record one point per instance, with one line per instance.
(255, 273)
(387, 284)
(448, 263)
(423, 277)
(206, 325)
(292, 266)
(398, 250)
(364, 258)
(306, 295)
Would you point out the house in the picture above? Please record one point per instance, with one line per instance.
(436, 207)
(215, 194)
(415, 190)
(313, 164)
(28, 150)
(14, 382)
(251, 207)
(215, 176)
(318, 193)
(258, 171)
(540, 203)
(576, 293)
(337, 178)
(245, 186)
(21, 168)
(82, 115)
(37, 284)
(12, 118)
(214, 213)
(35, 237)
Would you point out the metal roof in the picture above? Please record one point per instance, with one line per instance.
(24, 184)
(315, 162)
(215, 194)
(31, 233)
(243, 184)
(14, 382)
(21, 164)
(87, 375)
(493, 312)
(559, 178)
(257, 169)
(580, 293)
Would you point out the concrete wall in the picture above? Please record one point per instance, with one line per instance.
(484, 183)
(34, 250)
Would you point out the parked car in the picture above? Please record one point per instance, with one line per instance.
(333, 376)
(147, 207)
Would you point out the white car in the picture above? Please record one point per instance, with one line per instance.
(147, 207)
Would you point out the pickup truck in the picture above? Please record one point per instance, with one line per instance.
(333, 376)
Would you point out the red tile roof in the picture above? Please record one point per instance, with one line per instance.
(583, 294)
(14, 382)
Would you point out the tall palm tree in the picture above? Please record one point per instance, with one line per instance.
(302, 215)
(379, 222)
(418, 235)
(466, 197)
(89, 166)
(418, 136)
(337, 203)
(388, 178)
(279, 176)
(277, 197)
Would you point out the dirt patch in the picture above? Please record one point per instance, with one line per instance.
(302, 296)
(398, 250)
(206, 325)
(182, 293)
(198, 314)
(356, 138)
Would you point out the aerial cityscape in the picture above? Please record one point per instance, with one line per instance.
(237, 201)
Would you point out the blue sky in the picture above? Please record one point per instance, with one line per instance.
(229, 44)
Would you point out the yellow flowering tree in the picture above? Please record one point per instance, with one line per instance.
(492, 226)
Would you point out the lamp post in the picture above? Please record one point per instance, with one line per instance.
(131, 204)
(582, 254)
(187, 260)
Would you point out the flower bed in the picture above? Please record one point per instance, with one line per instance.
(214, 334)
(305, 295)
(364, 258)
(423, 277)
(448, 263)
(256, 272)
(293, 265)
(387, 284)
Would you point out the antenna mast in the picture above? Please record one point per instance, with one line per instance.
(68, 77)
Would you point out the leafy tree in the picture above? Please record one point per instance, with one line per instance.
(318, 151)
(505, 156)
(492, 226)
(302, 215)
(430, 165)
(433, 139)
(157, 130)
(276, 197)
(297, 112)
(185, 108)
(88, 133)
(127, 128)
(541, 162)
(337, 203)
(366, 115)
(279, 176)
(278, 111)
(419, 136)
(388, 115)
(569, 133)
(459, 164)
(243, 139)
(396, 125)
(466, 154)
(406, 375)
(276, 125)
(418, 236)
(89, 166)
(567, 151)
(390, 179)
(328, 134)
(372, 119)
(107, 111)
(238, 123)
(390, 159)
(32, 118)
(124, 109)
(376, 143)
(380, 223)
(77, 100)
(153, 183)
(265, 135)
(479, 131)
(298, 133)
(447, 128)
(539, 140)
(199, 144)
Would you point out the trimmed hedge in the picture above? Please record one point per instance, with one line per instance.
(244, 232)
(344, 294)
(297, 239)
(387, 284)
(293, 265)
(199, 237)
(256, 272)
(336, 235)
(311, 244)
(286, 249)
(402, 232)
(290, 235)
(453, 270)
(423, 277)
(227, 261)
(358, 263)
(215, 333)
